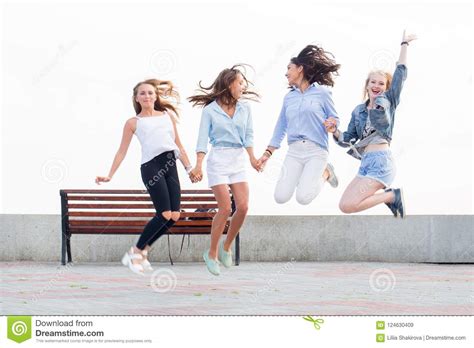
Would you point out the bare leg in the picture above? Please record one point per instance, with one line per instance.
(240, 192)
(221, 192)
(361, 195)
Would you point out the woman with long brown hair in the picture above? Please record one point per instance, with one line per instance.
(305, 108)
(155, 127)
(226, 123)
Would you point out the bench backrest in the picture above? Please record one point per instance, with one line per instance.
(128, 211)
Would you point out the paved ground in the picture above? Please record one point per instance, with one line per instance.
(292, 288)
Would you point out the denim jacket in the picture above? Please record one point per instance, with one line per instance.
(382, 117)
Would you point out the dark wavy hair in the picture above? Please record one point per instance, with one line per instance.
(219, 90)
(318, 65)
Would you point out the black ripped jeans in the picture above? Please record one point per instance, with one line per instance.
(160, 177)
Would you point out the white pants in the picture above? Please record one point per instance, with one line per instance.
(302, 170)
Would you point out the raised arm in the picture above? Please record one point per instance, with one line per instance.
(400, 74)
(127, 135)
(406, 39)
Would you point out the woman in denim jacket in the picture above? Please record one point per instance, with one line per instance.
(369, 135)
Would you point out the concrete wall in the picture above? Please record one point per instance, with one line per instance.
(265, 238)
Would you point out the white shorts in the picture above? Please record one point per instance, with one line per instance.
(226, 165)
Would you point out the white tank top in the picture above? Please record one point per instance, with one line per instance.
(156, 135)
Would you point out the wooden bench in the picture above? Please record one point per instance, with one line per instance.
(122, 212)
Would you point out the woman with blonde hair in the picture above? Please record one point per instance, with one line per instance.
(369, 135)
(155, 127)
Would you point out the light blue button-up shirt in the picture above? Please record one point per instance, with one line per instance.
(224, 131)
(303, 114)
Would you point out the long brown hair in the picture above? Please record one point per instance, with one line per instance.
(318, 65)
(219, 90)
(166, 96)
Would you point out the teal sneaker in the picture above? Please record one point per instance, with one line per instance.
(225, 257)
(212, 265)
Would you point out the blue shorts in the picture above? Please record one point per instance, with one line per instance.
(378, 165)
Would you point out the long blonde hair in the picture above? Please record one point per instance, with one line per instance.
(167, 97)
(385, 74)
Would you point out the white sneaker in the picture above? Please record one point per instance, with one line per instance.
(127, 261)
(145, 263)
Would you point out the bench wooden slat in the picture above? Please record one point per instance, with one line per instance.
(129, 214)
(136, 206)
(73, 191)
(129, 223)
(116, 230)
(136, 198)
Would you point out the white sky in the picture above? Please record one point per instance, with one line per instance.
(68, 71)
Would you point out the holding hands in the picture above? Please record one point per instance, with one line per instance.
(256, 164)
(262, 161)
(330, 124)
(195, 175)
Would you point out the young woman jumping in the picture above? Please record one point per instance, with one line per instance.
(369, 135)
(305, 108)
(155, 127)
(226, 123)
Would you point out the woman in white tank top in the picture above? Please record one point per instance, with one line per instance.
(155, 127)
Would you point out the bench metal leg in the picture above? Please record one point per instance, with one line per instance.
(68, 247)
(237, 249)
(63, 248)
